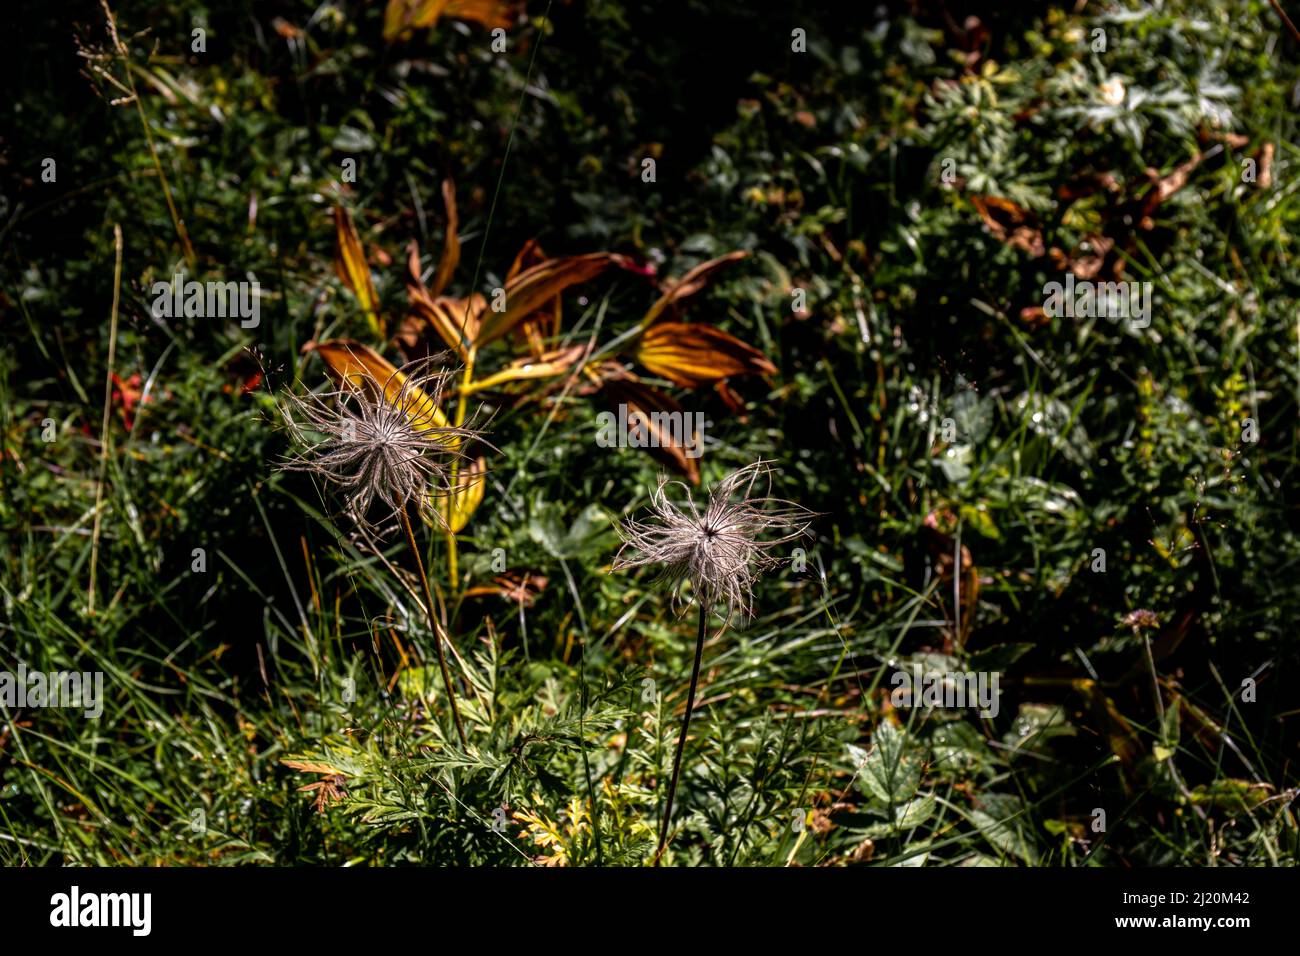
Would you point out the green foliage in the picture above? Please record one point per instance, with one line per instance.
(850, 172)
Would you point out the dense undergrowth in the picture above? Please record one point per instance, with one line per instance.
(903, 190)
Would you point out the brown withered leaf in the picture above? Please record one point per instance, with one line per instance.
(451, 243)
(1087, 260)
(938, 529)
(446, 317)
(402, 17)
(648, 401)
(1163, 187)
(695, 354)
(328, 790)
(530, 254)
(1264, 178)
(1119, 733)
(1206, 729)
(1010, 223)
(730, 398)
(1087, 184)
(355, 365)
(688, 285)
(1035, 317)
(285, 29)
(350, 265)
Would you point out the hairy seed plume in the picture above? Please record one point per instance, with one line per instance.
(379, 448)
(722, 549)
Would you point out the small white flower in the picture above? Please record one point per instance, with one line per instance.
(1113, 92)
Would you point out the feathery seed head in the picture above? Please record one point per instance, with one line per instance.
(720, 550)
(377, 446)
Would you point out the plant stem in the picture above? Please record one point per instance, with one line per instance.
(681, 740)
(125, 54)
(438, 635)
(467, 380)
(104, 436)
(452, 570)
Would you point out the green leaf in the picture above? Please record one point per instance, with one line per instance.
(1001, 822)
(889, 773)
(914, 812)
(585, 536)
(998, 657)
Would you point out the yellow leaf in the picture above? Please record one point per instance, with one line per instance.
(403, 16)
(313, 766)
(695, 354)
(470, 484)
(350, 264)
(356, 366)
(543, 366)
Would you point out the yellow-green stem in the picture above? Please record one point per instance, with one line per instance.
(462, 406)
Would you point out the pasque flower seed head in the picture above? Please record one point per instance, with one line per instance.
(720, 549)
(377, 446)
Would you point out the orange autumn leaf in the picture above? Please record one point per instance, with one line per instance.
(530, 254)
(695, 354)
(350, 264)
(532, 288)
(689, 284)
(652, 403)
(455, 321)
(487, 13)
(354, 365)
(528, 305)
(518, 588)
(545, 322)
(1010, 223)
(402, 17)
(451, 243)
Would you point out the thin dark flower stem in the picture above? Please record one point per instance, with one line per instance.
(438, 635)
(681, 740)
